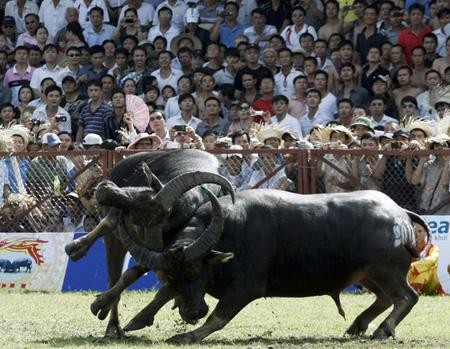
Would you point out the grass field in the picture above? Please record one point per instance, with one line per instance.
(42, 320)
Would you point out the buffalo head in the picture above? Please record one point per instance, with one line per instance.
(150, 207)
(185, 263)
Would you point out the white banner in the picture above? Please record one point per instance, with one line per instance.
(440, 228)
(33, 261)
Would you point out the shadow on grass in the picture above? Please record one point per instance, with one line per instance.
(86, 341)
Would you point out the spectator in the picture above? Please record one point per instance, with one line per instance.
(358, 94)
(166, 75)
(413, 36)
(40, 101)
(284, 80)
(73, 37)
(145, 141)
(332, 24)
(403, 76)
(52, 113)
(50, 69)
(291, 34)
(8, 30)
(259, 33)
(8, 115)
(108, 86)
(72, 16)
(370, 36)
(313, 116)
(281, 118)
(227, 28)
(297, 102)
(118, 124)
(345, 115)
(129, 24)
(213, 119)
(84, 7)
(373, 68)
(25, 97)
(27, 37)
(165, 27)
(178, 9)
(419, 71)
(157, 125)
(441, 64)
(430, 43)
(35, 57)
(94, 113)
(234, 170)
(96, 32)
(19, 11)
(19, 75)
(96, 70)
(328, 101)
(52, 14)
(377, 110)
(249, 91)
(267, 92)
(186, 105)
(364, 165)
(66, 141)
(145, 12)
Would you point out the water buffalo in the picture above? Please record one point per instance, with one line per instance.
(279, 244)
(22, 263)
(4, 263)
(131, 173)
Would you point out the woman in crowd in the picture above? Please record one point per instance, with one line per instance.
(26, 95)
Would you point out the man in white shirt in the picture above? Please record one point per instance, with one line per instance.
(328, 103)
(49, 70)
(28, 37)
(313, 116)
(12, 9)
(179, 9)
(166, 75)
(442, 32)
(259, 33)
(377, 108)
(97, 32)
(165, 26)
(186, 103)
(282, 119)
(284, 80)
(53, 14)
(145, 11)
(85, 6)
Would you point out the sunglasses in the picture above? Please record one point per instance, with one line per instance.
(159, 117)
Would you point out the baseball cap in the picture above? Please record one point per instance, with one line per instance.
(9, 20)
(51, 139)
(92, 139)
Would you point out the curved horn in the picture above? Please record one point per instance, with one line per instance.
(109, 194)
(211, 234)
(143, 256)
(186, 181)
(152, 180)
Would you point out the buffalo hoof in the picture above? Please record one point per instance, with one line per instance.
(184, 338)
(101, 307)
(114, 331)
(138, 323)
(355, 330)
(75, 250)
(383, 333)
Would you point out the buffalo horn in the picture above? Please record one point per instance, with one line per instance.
(143, 256)
(152, 180)
(109, 194)
(210, 235)
(173, 190)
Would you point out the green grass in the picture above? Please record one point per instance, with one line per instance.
(42, 320)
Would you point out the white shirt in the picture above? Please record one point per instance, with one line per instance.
(43, 72)
(285, 83)
(171, 80)
(307, 124)
(11, 9)
(172, 108)
(426, 111)
(289, 123)
(93, 38)
(145, 13)
(442, 36)
(384, 120)
(253, 35)
(41, 114)
(178, 120)
(54, 18)
(83, 10)
(328, 105)
(178, 12)
(169, 35)
(292, 37)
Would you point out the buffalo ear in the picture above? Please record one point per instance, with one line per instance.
(216, 257)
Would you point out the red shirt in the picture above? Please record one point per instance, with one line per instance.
(264, 105)
(409, 40)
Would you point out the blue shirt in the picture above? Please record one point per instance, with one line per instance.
(92, 38)
(228, 34)
(93, 122)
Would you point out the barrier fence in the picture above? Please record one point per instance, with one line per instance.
(54, 191)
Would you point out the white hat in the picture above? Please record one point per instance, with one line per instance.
(192, 16)
(233, 147)
(51, 139)
(92, 139)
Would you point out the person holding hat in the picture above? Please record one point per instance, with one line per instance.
(431, 176)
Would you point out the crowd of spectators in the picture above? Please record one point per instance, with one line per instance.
(245, 74)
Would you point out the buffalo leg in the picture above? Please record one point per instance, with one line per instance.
(225, 311)
(103, 303)
(115, 255)
(146, 316)
(404, 298)
(359, 326)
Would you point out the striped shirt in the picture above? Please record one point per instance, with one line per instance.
(93, 121)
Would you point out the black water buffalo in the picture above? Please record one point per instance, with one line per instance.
(131, 173)
(4, 264)
(22, 263)
(279, 244)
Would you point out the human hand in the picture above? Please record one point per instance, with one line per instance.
(190, 132)
(128, 118)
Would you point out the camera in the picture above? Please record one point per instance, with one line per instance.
(350, 8)
(129, 21)
(36, 122)
(60, 118)
(396, 145)
(180, 128)
(258, 112)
